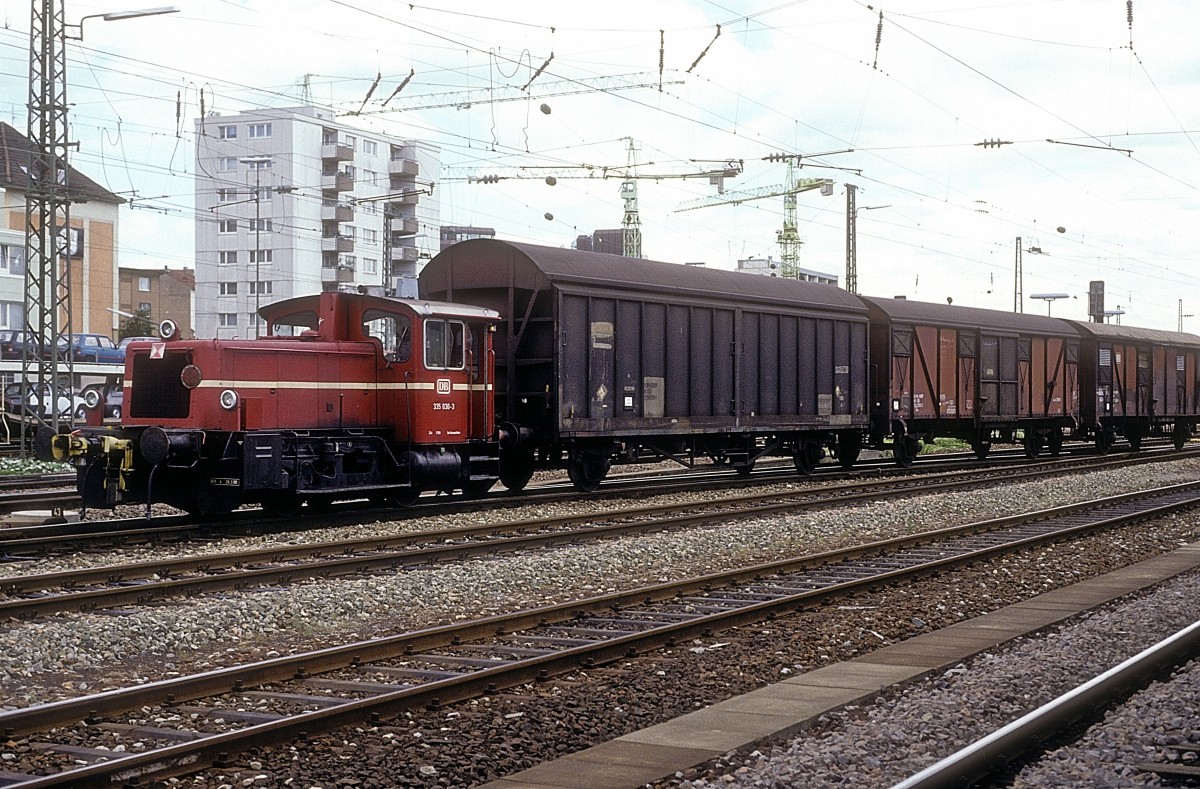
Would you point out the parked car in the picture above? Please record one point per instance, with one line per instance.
(124, 343)
(67, 402)
(13, 342)
(96, 348)
(113, 394)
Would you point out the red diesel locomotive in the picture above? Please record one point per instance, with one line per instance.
(347, 395)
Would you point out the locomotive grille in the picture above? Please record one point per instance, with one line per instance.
(159, 392)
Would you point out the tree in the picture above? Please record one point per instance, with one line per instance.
(140, 325)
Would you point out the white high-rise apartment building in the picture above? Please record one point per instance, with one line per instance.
(290, 202)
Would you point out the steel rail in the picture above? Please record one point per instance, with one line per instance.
(402, 550)
(1089, 701)
(188, 757)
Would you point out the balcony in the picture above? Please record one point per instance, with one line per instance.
(336, 152)
(337, 182)
(337, 212)
(403, 226)
(408, 168)
(338, 244)
(405, 254)
(340, 273)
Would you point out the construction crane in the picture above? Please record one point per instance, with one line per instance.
(788, 237)
(631, 230)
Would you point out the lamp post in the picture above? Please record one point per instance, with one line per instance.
(1049, 298)
(48, 196)
(258, 163)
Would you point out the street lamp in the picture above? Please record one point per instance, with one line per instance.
(258, 163)
(116, 16)
(1049, 298)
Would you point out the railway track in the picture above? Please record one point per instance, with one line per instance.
(17, 541)
(188, 723)
(140, 583)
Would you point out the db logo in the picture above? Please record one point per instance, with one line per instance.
(443, 386)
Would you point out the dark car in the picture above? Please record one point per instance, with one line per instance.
(67, 402)
(114, 398)
(96, 348)
(13, 342)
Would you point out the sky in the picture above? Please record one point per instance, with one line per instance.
(1069, 128)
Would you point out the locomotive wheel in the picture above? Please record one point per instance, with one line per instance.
(1104, 441)
(849, 444)
(807, 456)
(1135, 440)
(586, 472)
(1033, 444)
(1054, 441)
(516, 470)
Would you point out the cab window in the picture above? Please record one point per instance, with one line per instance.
(393, 329)
(293, 323)
(444, 344)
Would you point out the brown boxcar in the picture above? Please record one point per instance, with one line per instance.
(973, 374)
(1138, 383)
(603, 358)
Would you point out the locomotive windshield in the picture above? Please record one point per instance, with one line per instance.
(444, 348)
(294, 322)
(392, 329)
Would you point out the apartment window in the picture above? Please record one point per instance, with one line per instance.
(227, 319)
(144, 284)
(370, 146)
(347, 261)
(226, 195)
(352, 141)
(227, 132)
(351, 232)
(144, 307)
(227, 164)
(227, 258)
(370, 265)
(261, 288)
(259, 164)
(12, 259)
(369, 177)
(229, 288)
(227, 226)
(350, 170)
(259, 130)
(12, 314)
(260, 256)
(370, 236)
(261, 224)
(328, 136)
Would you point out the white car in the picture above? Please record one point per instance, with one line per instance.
(67, 403)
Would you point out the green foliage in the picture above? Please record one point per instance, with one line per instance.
(17, 467)
(141, 325)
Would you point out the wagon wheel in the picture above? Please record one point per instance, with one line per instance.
(1104, 440)
(401, 497)
(1054, 442)
(1135, 440)
(849, 444)
(284, 504)
(1033, 444)
(807, 456)
(1181, 434)
(477, 488)
(516, 469)
(586, 471)
(981, 447)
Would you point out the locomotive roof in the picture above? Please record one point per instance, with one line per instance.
(903, 310)
(483, 263)
(419, 306)
(1117, 332)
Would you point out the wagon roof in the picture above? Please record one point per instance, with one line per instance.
(483, 263)
(905, 311)
(1116, 332)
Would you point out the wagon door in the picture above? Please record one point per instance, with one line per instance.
(1145, 383)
